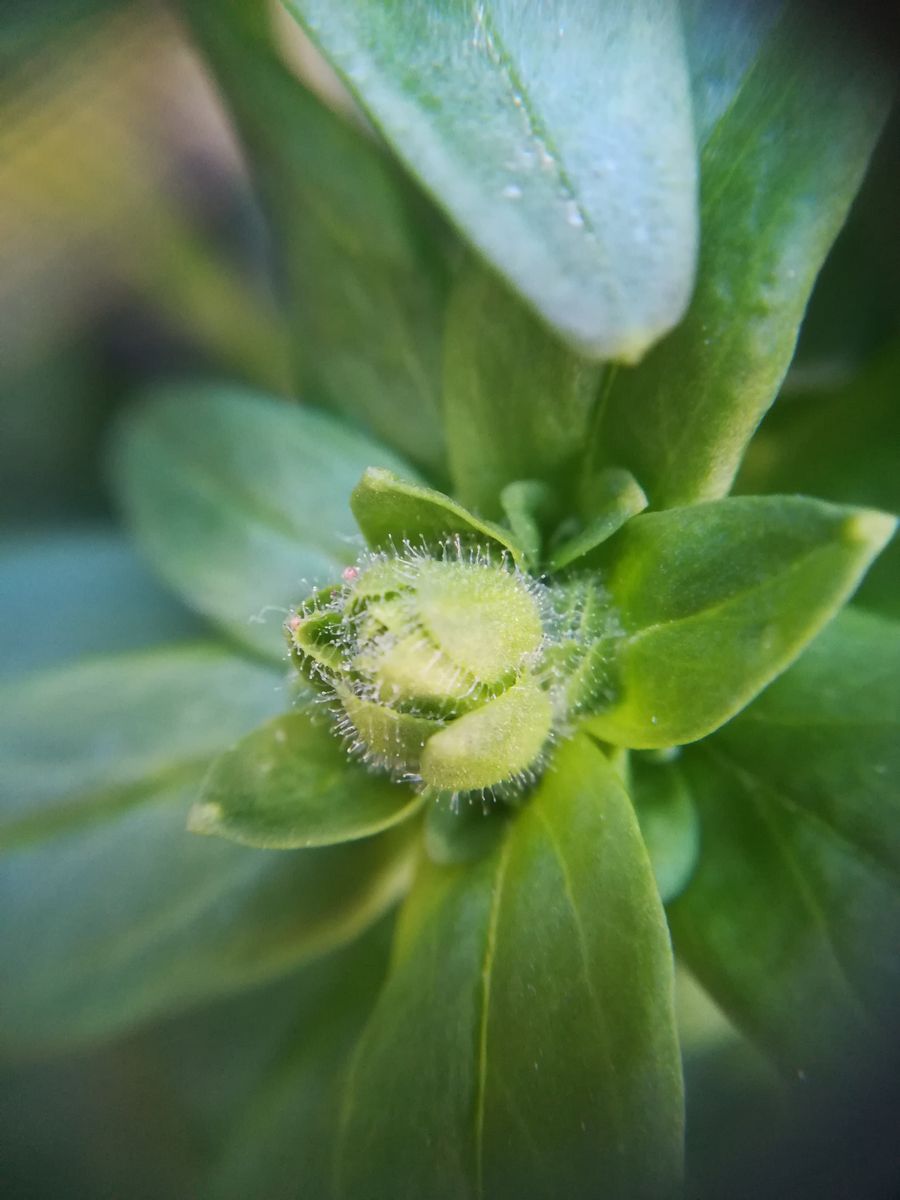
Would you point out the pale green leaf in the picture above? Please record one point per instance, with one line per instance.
(558, 138)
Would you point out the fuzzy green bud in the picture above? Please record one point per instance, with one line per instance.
(442, 668)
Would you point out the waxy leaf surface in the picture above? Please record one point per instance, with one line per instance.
(558, 138)
(292, 784)
(792, 918)
(526, 1030)
(788, 112)
(241, 502)
(716, 599)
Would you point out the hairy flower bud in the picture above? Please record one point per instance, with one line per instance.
(450, 669)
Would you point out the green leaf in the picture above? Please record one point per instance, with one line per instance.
(668, 821)
(81, 591)
(527, 504)
(841, 446)
(792, 918)
(462, 832)
(114, 913)
(616, 498)
(516, 403)
(292, 784)
(283, 1136)
(240, 501)
(717, 599)
(558, 139)
(366, 287)
(788, 115)
(390, 511)
(524, 1043)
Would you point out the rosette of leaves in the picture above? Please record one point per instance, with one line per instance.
(508, 343)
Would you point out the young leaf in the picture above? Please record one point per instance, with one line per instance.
(241, 501)
(716, 599)
(616, 498)
(558, 139)
(524, 1043)
(114, 912)
(517, 403)
(787, 118)
(390, 510)
(290, 784)
(366, 288)
(792, 918)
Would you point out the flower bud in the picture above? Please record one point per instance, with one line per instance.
(443, 669)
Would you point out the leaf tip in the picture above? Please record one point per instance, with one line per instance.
(869, 528)
(205, 817)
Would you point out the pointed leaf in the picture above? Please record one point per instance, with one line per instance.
(516, 403)
(793, 917)
(524, 1043)
(114, 913)
(842, 446)
(292, 784)
(241, 501)
(715, 600)
(558, 138)
(390, 510)
(788, 115)
(366, 288)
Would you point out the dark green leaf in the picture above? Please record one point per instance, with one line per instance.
(517, 402)
(793, 916)
(366, 289)
(558, 138)
(292, 784)
(788, 115)
(715, 600)
(85, 591)
(390, 511)
(113, 912)
(524, 1044)
(281, 1146)
(668, 820)
(242, 502)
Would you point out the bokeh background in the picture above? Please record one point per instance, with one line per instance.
(133, 247)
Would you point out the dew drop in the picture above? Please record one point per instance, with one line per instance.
(573, 214)
(512, 191)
